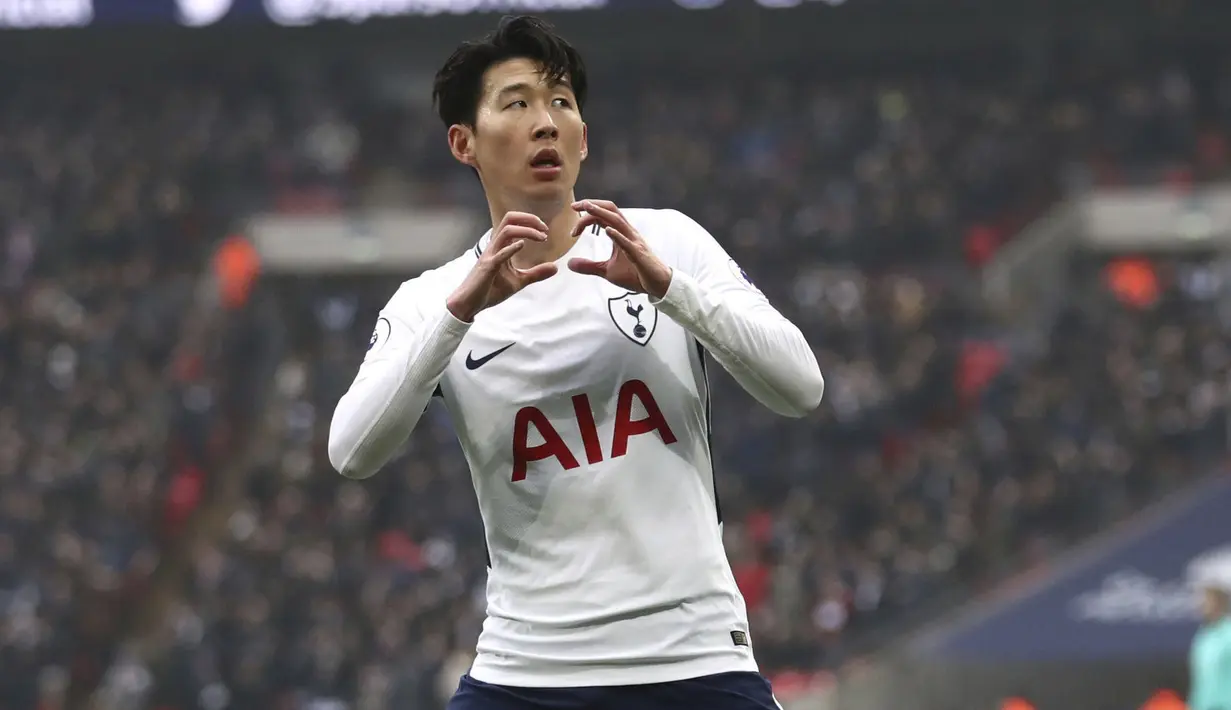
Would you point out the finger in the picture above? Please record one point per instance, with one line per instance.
(514, 233)
(506, 253)
(608, 217)
(525, 219)
(586, 220)
(601, 208)
(588, 267)
(607, 208)
(638, 254)
(608, 204)
(537, 273)
(621, 243)
(621, 240)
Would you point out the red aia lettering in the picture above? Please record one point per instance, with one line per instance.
(589, 430)
(625, 427)
(553, 445)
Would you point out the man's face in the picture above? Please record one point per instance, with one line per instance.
(1213, 604)
(528, 140)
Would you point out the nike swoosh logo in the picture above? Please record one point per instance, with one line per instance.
(473, 364)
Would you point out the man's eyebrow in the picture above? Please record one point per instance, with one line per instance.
(523, 86)
(514, 88)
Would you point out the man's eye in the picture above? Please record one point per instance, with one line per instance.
(518, 103)
(563, 102)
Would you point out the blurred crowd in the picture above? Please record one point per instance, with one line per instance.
(110, 421)
(862, 206)
(99, 261)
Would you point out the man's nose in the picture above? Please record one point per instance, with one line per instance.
(546, 128)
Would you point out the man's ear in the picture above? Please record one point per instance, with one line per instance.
(461, 144)
(585, 142)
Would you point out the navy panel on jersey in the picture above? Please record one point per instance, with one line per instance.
(709, 425)
(723, 691)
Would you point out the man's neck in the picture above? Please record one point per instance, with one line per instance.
(560, 218)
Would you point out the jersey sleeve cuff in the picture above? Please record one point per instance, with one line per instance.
(442, 340)
(680, 299)
(451, 324)
(438, 347)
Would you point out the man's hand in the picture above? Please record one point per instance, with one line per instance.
(494, 278)
(632, 264)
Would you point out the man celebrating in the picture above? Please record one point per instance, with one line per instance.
(569, 346)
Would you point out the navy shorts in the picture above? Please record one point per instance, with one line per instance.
(724, 691)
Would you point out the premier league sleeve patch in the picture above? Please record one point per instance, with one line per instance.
(742, 276)
(380, 335)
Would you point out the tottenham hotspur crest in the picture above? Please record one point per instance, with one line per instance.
(634, 316)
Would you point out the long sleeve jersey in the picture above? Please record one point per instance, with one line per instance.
(583, 413)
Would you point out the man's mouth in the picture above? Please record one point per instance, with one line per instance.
(546, 158)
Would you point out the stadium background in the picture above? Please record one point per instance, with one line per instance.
(1000, 222)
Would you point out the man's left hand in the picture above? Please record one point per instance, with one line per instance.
(632, 264)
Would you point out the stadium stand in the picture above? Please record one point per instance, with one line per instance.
(112, 414)
(102, 409)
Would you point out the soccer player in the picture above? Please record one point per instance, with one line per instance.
(1210, 659)
(569, 347)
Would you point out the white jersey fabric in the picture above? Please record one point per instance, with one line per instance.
(582, 410)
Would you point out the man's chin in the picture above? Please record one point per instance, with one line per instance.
(555, 193)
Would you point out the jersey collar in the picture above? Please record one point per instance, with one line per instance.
(482, 243)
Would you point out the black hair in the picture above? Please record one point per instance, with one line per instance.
(459, 83)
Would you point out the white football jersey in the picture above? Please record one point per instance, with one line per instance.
(582, 410)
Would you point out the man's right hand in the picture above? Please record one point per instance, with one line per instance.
(494, 278)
